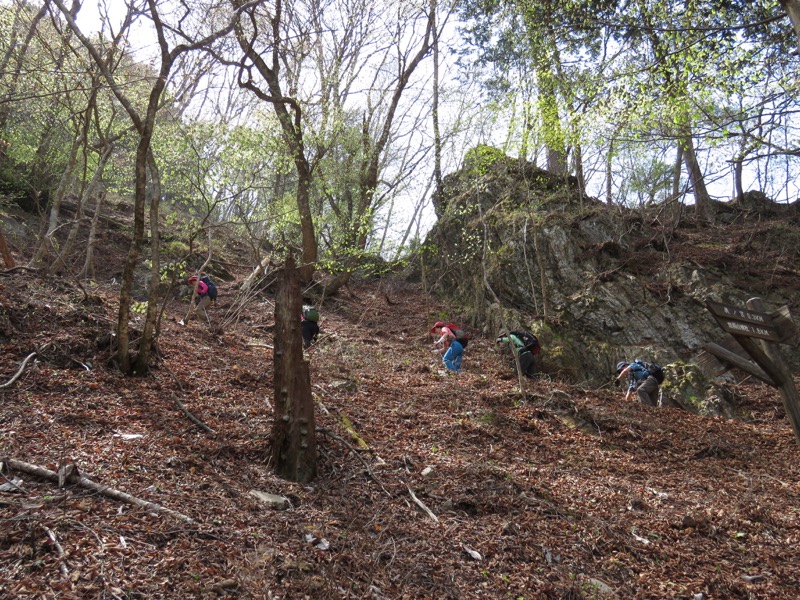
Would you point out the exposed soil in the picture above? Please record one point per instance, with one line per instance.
(566, 493)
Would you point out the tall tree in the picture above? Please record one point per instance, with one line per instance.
(253, 35)
(144, 165)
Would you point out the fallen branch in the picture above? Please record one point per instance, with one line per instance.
(358, 456)
(190, 416)
(17, 269)
(88, 484)
(348, 425)
(60, 550)
(18, 373)
(419, 503)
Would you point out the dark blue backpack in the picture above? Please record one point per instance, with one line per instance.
(656, 371)
(212, 287)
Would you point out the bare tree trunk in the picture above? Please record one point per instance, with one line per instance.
(702, 200)
(577, 160)
(551, 123)
(609, 164)
(437, 136)
(542, 273)
(676, 173)
(294, 447)
(142, 365)
(792, 8)
(5, 253)
(88, 265)
(738, 168)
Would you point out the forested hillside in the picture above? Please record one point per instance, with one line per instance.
(428, 485)
(595, 171)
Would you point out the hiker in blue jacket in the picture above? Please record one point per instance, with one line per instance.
(640, 381)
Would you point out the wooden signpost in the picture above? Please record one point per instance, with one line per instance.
(744, 322)
(757, 332)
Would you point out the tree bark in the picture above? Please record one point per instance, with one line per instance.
(792, 8)
(676, 173)
(702, 200)
(88, 264)
(142, 365)
(5, 253)
(294, 447)
(551, 123)
(437, 136)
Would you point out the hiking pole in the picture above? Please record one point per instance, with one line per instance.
(207, 317)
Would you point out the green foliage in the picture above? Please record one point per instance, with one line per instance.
(480, 159)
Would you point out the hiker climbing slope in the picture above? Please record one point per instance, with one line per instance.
(451, 344)
(527, 347)
(644, 379)
(206, 293)
(309, 324)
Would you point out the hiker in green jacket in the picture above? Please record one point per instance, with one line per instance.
(527, 347)
(309, 324)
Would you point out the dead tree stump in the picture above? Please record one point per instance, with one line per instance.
(294, 447)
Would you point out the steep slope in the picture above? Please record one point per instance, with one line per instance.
(565, 492)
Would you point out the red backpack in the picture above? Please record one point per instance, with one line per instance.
(457, 331)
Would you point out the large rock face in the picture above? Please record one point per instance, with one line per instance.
(515, 246)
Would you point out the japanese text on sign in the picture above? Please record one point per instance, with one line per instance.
(740, 313)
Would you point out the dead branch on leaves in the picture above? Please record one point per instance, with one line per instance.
(69, 474)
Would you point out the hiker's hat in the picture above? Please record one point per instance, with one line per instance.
(621, 365)
(436, 326)
(192, 279)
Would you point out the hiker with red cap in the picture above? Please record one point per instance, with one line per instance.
(451, 344)
(206, 292)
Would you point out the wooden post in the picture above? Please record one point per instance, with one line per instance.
(791, 401)
(294, 446)
(738, 362)
(759, 333)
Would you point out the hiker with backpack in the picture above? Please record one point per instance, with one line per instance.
(309, 324)
(451, 344)
(644, 379)
(526, 346)
(206, 291)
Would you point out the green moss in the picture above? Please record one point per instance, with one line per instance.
(175, 248)
(481, 158)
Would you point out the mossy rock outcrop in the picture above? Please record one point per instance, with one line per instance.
(516, 246)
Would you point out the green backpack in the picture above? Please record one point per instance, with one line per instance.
(310, 314)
